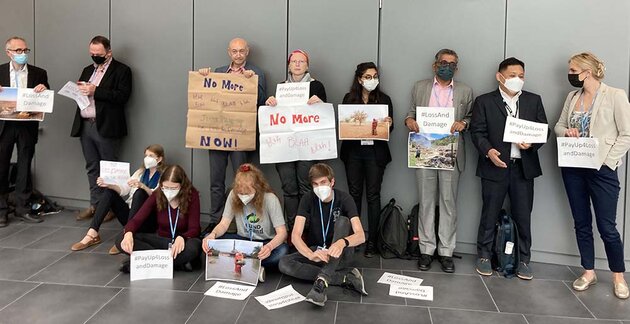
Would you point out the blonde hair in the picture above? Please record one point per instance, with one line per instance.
(588, 61)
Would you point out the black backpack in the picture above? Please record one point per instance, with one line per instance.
(392, 232)
(413, 248)
(505, 256)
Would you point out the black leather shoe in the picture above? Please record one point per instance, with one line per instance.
(447, 264)
(425, 262)
(28, 218)
(4, 220)
(369, 250)
(125, 266)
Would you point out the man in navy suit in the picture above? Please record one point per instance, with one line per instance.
(102, 125)
(238, 50)
(19, 74)
(506, 168)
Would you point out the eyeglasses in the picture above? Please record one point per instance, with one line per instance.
(370, 77)
(171, 188)
(453, 65)
(20, 50)
(296, 62)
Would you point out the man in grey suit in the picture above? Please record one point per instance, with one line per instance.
(439, 187)
(238, 50)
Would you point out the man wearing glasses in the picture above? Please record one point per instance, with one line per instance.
(101, 125)
(18, 74)
(439, 187)
(237, 50)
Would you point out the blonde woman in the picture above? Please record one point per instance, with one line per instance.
(599, 111)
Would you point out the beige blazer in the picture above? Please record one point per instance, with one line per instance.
(610, 123)
(462, 100)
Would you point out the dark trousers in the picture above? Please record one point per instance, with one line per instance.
(218, 164)
(271, 262)
(368, 172)
(298, 266)
(96, 148)
(15, 133)
(602, 188)
(111, 200)
(152, 241)
(521, 193)
(295, 183)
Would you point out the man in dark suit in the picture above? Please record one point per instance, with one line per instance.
(506, 168)
(238, 50)
(101, 125)
(19, 74)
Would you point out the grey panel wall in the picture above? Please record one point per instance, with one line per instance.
(546, 74)
(159, 50)
(265, 32)
(17, 20)
(411, 33)
(64, 58)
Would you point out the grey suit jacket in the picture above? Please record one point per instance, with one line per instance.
(462, 100)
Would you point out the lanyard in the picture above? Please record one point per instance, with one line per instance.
(585, 120)
(321, 217)
(515, 115)
(437, 99)
(249, 229)
(170, 223)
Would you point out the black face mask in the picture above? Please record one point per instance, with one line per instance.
(99, 59)
(574, 79)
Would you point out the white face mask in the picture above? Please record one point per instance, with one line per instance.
(150, 162)
(322, 192)
(514, 84)
(246, 198)
(170, 193)
(370, 85)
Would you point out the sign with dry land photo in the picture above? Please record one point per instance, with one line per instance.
(432, 151)
(221, 112)
(363, 122)
(8, 107)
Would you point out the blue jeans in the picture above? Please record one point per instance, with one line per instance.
(271, 262)
(602, 188)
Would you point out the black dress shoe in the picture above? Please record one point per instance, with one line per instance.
(28, 218)
(425, 262)
(125, 266)
(447, 264)
(370, 249)
(4, 220)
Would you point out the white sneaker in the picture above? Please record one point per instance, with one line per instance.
(261, 275)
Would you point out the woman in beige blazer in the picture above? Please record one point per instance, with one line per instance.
(599, 111)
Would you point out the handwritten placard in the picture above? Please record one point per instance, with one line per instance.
(115, 172)
(280, 298)
(396, 279)
(221, 112)
(413, 292)
(297, 133)
(524, 131)
(71, 90)
(151, 264)
(31, 101)
(229, 291)
(578, 152)
(435, 120)
(292, 94)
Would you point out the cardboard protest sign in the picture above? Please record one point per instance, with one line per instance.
(297, 133)
(221, 112)
(151, 264)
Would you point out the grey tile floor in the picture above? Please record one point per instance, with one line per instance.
(42, 281)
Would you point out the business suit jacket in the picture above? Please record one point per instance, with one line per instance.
(110, 97)
(35, 77)
(262, 85)
(462, 100)
(487, 127)
(610, 123)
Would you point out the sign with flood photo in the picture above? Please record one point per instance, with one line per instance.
(233, 260)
